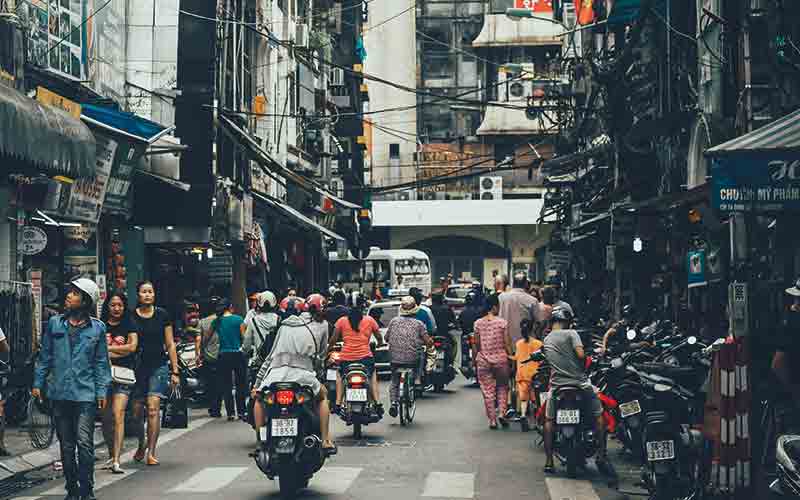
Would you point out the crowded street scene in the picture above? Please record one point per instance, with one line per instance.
(399, 249)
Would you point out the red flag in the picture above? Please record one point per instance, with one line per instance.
(584, 11)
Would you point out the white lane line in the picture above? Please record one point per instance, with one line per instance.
(105, 478)
(209, 480)
(449, 485)
(570, 489)
(334, 480)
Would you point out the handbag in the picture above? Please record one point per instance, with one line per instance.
(176, 411)
(123, 375)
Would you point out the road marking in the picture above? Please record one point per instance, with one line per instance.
(106, 478)
(570, 489)
(449, 485)
(334, 480)
(209, 480)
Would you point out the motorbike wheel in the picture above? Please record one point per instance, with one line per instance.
(572, 459)
(288, 482)
(438, 388)
(356, 430)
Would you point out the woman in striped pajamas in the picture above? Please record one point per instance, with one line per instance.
(492, 351)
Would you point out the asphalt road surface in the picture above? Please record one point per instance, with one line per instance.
(447, 453)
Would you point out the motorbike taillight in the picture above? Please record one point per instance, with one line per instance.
(284, 398)
(437, 344)
(356, 380)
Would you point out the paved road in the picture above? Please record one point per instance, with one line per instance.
(448, 453)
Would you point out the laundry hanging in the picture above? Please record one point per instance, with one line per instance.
(16, 320)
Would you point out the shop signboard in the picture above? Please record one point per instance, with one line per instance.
(757, 183)
(33, 241)
(103, 286)
(696, 262)
(535, 5)
(118, 199)
(80, 252)
(86, 195)
(35, 278)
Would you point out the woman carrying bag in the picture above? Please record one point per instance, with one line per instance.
(123, 342)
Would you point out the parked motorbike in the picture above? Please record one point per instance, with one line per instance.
(193, 387)
(289, 445)
(442, 371)
(358, 409)
(787, 455)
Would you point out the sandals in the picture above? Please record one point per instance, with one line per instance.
(116, 469)
(152, 461)
(140, 455)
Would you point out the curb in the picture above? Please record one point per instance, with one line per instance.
(36, 460)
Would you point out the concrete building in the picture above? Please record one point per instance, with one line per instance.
(467, 157)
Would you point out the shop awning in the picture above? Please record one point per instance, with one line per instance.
(781, 135)
(45, 136)
(295, 216)
(269, 163)
(123, 123)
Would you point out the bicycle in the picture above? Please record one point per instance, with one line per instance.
(408, 400)
(21, 409)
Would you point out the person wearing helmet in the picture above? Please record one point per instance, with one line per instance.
(295, 357)
(259, 331)
(315, 314)
(73, 360)
(565, 355)
(339, 309)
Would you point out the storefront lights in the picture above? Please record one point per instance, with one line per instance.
(210, 253)
(637, 244)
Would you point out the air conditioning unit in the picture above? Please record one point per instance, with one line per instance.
(430, 195)
(337, 187)
(491, 188)
(301, 36)
(336, 78)
(515, 85)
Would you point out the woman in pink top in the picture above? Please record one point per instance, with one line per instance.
(492, 351)
(356, 330)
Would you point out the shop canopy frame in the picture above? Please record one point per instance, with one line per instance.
(45, 136)
(781, 135)
(294, 215)
(123, 123)
(268, 163)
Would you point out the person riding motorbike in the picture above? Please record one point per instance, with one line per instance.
(315, 314)
(260, 330)
(291, 305)
(424, 314)
(405, 336)
(444, 317)
(472, 312)
(565, 355)
(294, 358)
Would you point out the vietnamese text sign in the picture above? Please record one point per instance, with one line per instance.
(760, 183)
(33, 240)
(87, 195)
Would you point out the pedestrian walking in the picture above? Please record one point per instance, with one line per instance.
(73, 360)
(4, 347)
(157, 373)
(492, 351)
(209, 360)
(525, 372)
(123, 341)
(232, 364)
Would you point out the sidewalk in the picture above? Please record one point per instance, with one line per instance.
(24, 458)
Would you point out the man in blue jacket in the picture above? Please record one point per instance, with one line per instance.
(73, 360)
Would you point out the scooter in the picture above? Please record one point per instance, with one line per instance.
(331, 372)
(467, 368)
(289, 445)
(442, 371)
(358, 409)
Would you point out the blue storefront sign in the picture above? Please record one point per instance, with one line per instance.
(696, 262)
(757, 182)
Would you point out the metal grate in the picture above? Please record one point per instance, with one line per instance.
(12, 487)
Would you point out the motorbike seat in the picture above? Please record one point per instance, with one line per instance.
(356, 367)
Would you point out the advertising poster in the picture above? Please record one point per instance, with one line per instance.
(696, 261)
(86, 195)
(80, 252)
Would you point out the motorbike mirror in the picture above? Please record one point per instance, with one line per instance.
(616, 362)
(692, 340)
(631, 334)
(662, 387)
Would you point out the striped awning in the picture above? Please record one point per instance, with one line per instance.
(781, 135)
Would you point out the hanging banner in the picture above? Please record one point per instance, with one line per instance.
(696, 260)
(118, 199)
(85, 200)
(757, 183)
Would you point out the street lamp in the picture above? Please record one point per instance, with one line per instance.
(518, 14)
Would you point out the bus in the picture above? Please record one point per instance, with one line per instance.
(401, 269)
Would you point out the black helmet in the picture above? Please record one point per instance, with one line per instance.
(471, 298)
(560, 314)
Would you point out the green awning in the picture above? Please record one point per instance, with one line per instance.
(45, 137)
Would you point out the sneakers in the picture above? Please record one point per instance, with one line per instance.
(116, 469)
(393, 410)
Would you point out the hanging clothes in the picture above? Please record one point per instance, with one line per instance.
(16, 320)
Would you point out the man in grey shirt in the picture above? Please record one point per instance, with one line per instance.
(565, 355)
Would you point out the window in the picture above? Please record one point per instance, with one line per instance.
(394, 150)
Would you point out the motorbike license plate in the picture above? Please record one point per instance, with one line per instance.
(568, 417)
(331, 375)
(630, 408)
(284, 427)
(660, 450)
(356, 394)
(440, 355)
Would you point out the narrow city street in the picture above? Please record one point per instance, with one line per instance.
(447, 453)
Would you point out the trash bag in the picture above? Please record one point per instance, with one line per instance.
(176, 411)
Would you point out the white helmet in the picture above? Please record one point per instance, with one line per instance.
(88, 287)
(267, 297)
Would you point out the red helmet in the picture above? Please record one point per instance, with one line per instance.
(297, 304)
(317, 301)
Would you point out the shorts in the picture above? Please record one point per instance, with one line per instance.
(157, 384)
(596, 407)
(121, 389)
(524, 389)
(369, 364)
